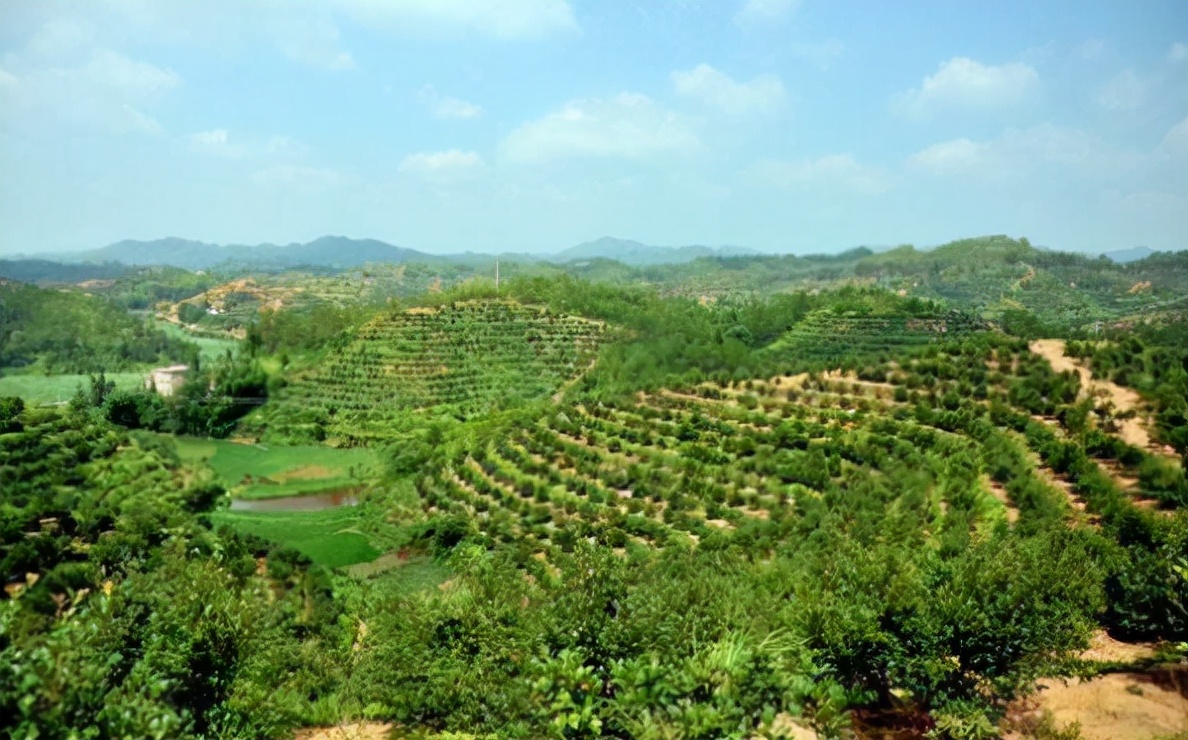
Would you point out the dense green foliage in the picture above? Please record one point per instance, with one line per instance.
(126, 616)
(43, 272)
(1006, 280)
(462, 360)
(145, 287)
(1154, 363)
(209, 403)
(62, 331)
(605, 510)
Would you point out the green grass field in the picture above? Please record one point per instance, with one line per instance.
(208, 347)
(267, 471)
(48, 389)
(327, 537)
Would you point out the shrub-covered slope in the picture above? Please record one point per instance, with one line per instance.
(64, 331)
(461, 359)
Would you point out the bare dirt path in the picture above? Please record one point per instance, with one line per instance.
(1133, 431)
(357, 731)
(1118, 706)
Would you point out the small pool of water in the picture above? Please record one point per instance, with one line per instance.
(312, 502)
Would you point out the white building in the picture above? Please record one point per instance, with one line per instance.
(166, 380)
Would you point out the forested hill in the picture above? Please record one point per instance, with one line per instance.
(997, 276)
(60, 331)
(44, 271)
(635, 253)
(335, 251)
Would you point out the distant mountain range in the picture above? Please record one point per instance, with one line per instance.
(344, 252)
(328, 251)
(340, 252)
(1134, 254)
(637, 254)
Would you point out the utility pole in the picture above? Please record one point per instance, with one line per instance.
(497, 276)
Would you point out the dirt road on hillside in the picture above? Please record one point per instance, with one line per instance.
(1133, 431)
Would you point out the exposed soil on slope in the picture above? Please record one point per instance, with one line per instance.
(1115, 706)
(355, 731)
(1133, 431)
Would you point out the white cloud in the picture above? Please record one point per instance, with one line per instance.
(223, 143)
(948, 157)
(819, 53)
(833, 172)
(1125, 91)
(1175, 142)
(964, 83)
(312, 41)
(213, 139)
(445, 163)
(503, 19)
(444, 106)
(297, 177)
(627, 126)
(131, 120)
(59, 37)
(106, 91)
(717, 90)
(757, 12)
(127, 76)
(284, 146)
(1020, 151)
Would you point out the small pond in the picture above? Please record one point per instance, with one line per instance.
(312, 502)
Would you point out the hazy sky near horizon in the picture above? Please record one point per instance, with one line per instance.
(452, 125)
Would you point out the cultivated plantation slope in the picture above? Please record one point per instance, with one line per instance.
(460, 359)
(947, 445)
(829, 335)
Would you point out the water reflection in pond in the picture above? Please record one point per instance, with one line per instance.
(312, 502)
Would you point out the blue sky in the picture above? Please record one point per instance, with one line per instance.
(452, 125)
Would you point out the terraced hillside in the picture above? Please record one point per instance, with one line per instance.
(942, 450)
(462, 359)
(830, 335)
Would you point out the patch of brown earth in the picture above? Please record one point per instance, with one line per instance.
(1132, 431)
(1130, 485)
(353, 731)
(91, 284)
(997, 491)
(380, 565)
(1105, 649)
(1119, 706)
(305, 472)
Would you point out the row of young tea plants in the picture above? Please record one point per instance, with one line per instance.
(958, 518)
(461, 359)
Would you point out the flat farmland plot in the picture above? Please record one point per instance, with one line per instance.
(254, 471)
(38, 389)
